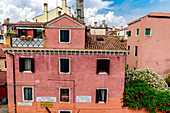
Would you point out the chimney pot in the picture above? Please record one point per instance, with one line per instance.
(95, 24)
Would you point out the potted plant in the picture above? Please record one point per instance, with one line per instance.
(23, 37)
(10, 33)
(29, 37)
(43, 33)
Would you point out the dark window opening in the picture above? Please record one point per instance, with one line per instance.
(64, 95)
(136, 50)
(65, 112)
(79, 12)
(129, 33)
(1, 37)
(28, 94)
(128, 49)
(22, 32)
(148, 31)
(64, 36)
(26, 64)
(5, 64)
(37, 33)
(64, 65)
(101, 96)
(59, 13)
(137, 32)
(103, 66)
(99, 39)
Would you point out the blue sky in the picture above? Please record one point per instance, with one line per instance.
(115, 12)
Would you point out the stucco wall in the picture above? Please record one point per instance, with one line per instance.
(153, 50)
(97, 31)
(123, 34)
(83, 76)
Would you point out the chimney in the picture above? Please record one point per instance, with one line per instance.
(6, 20)
(95, 24)
(46, 12)
(63, 4)
(103, 23)
(113, 28)
(121, 27)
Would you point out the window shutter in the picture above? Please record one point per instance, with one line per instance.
(105, 95)
(61, 35)
(108, 66)
(66, 33)
(21, 64)
(62, 65)
(32, 65)
(97, 95)
(66, 65)
(98, 65)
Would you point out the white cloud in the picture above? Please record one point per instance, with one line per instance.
(21, 9)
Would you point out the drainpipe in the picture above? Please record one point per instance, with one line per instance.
(14, 81)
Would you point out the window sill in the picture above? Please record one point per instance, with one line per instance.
(65, 42)
(28, 101)
(64, 73)
(64, 102)
(102, 102)
(103, 73)
(27, 72)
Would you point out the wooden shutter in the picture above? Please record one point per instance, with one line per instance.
(98, 66)
(108, 66)
(66, 35)
(32, 65)
(105, 95)
(21, 64)
(98, 91)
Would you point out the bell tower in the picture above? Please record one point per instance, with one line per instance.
(80, 10)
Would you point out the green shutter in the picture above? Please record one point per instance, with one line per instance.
(137, 32)
(129, 33)
(147, 31)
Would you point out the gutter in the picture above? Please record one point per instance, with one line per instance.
(14, 81)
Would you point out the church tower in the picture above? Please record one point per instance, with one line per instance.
(80, 10)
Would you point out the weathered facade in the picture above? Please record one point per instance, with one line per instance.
(148, 43)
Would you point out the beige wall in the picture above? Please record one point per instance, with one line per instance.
(53, 14)
(123, 34)
(97, 31)
(2, 65)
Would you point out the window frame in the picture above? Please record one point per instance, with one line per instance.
(136, 53)
(69, 35)
(65, 110)
(106, 95)
(27, 57)
(23, 94)
(60, 94)
(104, 73)
(137, 32)
(150, 31)
(130, 33)
(69, 65)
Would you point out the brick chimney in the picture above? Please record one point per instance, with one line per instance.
(46, 12)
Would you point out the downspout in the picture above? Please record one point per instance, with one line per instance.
(14, 81)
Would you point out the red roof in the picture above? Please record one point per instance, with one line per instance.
(3, 78)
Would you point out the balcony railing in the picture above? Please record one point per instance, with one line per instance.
(35, 42)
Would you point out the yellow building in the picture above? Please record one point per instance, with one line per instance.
(49, 15)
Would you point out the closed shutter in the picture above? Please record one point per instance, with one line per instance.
(62, 36)
(98, 91)
(105, 95)
(108, 66)
(66, 33)
(66, 66)
(147, 31)
(32, 65)
(21, 64)
(98, 66)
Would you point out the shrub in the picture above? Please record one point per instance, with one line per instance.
(154, 81)
(139, 95)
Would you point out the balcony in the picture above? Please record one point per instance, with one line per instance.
(17, 42)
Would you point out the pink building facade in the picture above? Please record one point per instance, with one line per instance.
(65, 76)
(148, 43)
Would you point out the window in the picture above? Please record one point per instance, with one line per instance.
(1, 37)
(26, 64)
(64, 36)
(21, 32)
(137, 32)
(128, 49)
(148, 31)
(37, 33)
(59, 13)
(103, 66)
(136, 50)
(64, 95)
(129, 33)
(5, 64)
(64, 111)
(101, 96)
(99, 39)
(64, 65)
(28, 94)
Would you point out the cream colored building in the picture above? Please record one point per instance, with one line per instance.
(49, 15)
(123, 33)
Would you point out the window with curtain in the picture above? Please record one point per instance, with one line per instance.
(103, 66)
(28, 93)
(101, 96)
(26, 64)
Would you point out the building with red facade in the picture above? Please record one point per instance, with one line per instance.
(69, 72)
(148, 42)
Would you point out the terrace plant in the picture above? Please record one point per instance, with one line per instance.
(10, 33)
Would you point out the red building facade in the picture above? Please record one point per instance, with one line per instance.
(71, 73)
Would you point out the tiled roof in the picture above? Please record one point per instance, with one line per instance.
(123, 29)
(109, 43)
(153, 14)
(3, 78)
(27, 24)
